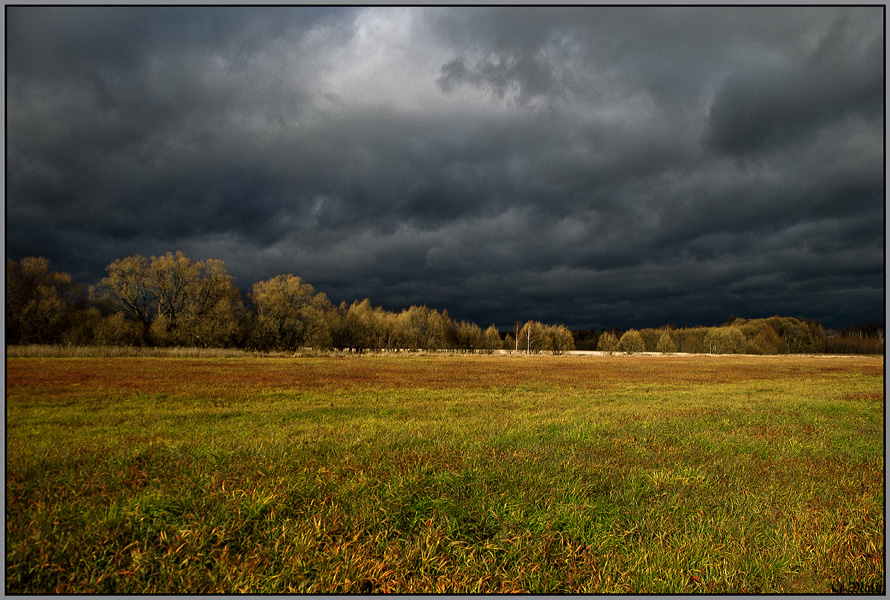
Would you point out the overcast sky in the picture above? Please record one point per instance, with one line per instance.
(592, 166)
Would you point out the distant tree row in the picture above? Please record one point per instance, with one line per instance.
(775, 335)
(534, 337)
(170, 300)
(856, 339)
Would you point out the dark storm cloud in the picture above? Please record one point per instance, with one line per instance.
(593, 166)
(791, 102)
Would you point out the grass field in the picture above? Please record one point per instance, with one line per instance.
(445, 473)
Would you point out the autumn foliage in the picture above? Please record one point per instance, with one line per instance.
(172, 301)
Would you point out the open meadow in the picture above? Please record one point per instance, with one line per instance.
(445, 473)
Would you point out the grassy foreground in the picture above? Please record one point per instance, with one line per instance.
(445, 474)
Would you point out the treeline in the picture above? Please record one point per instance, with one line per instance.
(170, 300)
(775, 335)
(856, 339)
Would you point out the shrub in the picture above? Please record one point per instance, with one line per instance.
(666, 343)
(631, 342)
(607, 343)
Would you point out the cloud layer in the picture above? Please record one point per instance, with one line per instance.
(591, 166)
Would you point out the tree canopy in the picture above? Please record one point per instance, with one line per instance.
(170, 300)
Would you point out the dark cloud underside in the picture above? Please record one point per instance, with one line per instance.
(593, 166)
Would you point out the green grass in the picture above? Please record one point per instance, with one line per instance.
(444, 474)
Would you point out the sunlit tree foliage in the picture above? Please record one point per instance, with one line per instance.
(170, 300)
